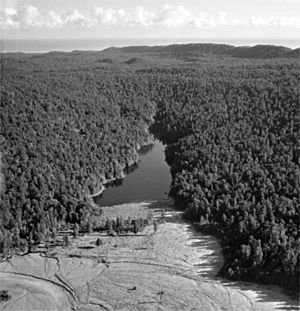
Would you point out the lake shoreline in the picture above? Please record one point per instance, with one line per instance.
(148, 179)
(127, 166)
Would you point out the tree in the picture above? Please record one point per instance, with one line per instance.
(89, 227)
(136, 226)
(155, 225)
(76, 231)
(66, 242)
(5, 295)
(99, 242)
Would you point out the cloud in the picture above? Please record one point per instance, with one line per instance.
(140, 17)
(173, 16)
(53, 20)
(165, 16)
(292, 1)
(108, 17)
(76, 18)
(275, 21)
(8, 19)
(29, 16)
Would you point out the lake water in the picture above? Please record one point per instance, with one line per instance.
(149, 180)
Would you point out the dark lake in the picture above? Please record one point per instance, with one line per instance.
(148, 180)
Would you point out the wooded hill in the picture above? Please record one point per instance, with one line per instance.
(208, 49)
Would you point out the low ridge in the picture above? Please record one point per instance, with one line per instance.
(202, 49)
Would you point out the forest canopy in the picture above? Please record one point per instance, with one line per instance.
(70, 121)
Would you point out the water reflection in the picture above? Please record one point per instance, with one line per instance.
(148, 180)
(131, 169)
(115, 183)
(145, 149)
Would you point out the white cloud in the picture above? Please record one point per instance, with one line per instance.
(223, 20)
(29, 16)
(293, 1)
(275, 21)
(140, 17)
(10, 12)
(165, 16)
(173, 16)
(203, 21)
(76, 18)
(53, 20)
(286, 21)
(8, 19)
(108, 17)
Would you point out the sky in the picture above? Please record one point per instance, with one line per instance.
(35, 19)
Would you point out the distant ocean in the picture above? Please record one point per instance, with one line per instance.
(67, 45)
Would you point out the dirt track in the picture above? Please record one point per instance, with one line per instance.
(172, 269)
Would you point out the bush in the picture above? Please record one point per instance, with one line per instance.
(99, 242)
(5, 295)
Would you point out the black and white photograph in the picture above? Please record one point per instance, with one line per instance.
(149, 155)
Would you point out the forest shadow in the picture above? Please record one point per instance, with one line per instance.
(264, 293)
(210, 252)
(85, 247)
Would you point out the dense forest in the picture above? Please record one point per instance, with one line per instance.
(70, 121)
(233, 147)
(63, 133)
